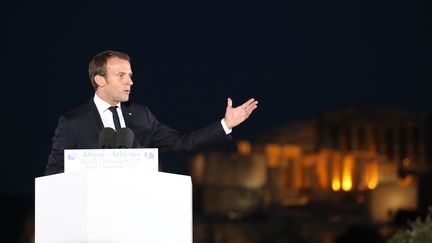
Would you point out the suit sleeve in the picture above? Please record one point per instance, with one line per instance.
(168, 139)
(63, 138)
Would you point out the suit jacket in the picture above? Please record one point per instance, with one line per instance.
(79, 129)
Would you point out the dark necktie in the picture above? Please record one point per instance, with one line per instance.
(113, 109)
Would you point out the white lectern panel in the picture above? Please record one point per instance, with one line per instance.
(113, 206)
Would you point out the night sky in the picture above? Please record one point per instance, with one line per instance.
(297, 59)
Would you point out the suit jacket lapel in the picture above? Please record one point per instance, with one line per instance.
(127, 115)
(128, 118)
(94, 117)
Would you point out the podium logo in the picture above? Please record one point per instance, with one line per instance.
(149, 155)
(72, 156)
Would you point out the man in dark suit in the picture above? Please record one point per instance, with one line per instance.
(111, 76)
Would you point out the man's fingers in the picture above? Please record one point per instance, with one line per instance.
(248, 103)
(251, 106)
(250, 109)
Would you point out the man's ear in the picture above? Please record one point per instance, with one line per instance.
(100, 80)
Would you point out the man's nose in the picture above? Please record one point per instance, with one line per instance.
(129, 81)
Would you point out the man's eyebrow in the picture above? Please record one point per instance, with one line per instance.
(125, 73)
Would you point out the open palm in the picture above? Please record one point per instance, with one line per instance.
(236, 115)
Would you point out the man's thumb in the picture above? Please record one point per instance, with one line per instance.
(229, 103)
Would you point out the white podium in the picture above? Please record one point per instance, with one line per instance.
(113, 206)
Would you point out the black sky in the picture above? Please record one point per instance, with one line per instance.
(296, 58)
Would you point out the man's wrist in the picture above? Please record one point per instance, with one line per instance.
(225, 127)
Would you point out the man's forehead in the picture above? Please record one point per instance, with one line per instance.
(118, 64)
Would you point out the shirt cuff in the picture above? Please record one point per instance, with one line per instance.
(225, 127)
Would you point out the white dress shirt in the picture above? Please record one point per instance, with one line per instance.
(106, 115)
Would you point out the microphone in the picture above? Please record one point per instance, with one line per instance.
(107, 137)
(124, 138)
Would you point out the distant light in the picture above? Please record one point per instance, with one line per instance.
(233, 215)
(372, 184)
(406, 162)
(336, 171)
(244, 147)
(347, 173)
(336, 185)
(372, 175)
(347, 184)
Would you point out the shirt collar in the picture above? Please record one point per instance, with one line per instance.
(102, 105)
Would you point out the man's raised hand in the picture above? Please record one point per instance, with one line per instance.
(236, 115)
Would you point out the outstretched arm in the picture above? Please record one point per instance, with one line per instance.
(236, 115)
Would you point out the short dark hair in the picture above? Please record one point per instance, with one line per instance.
(97, 65)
